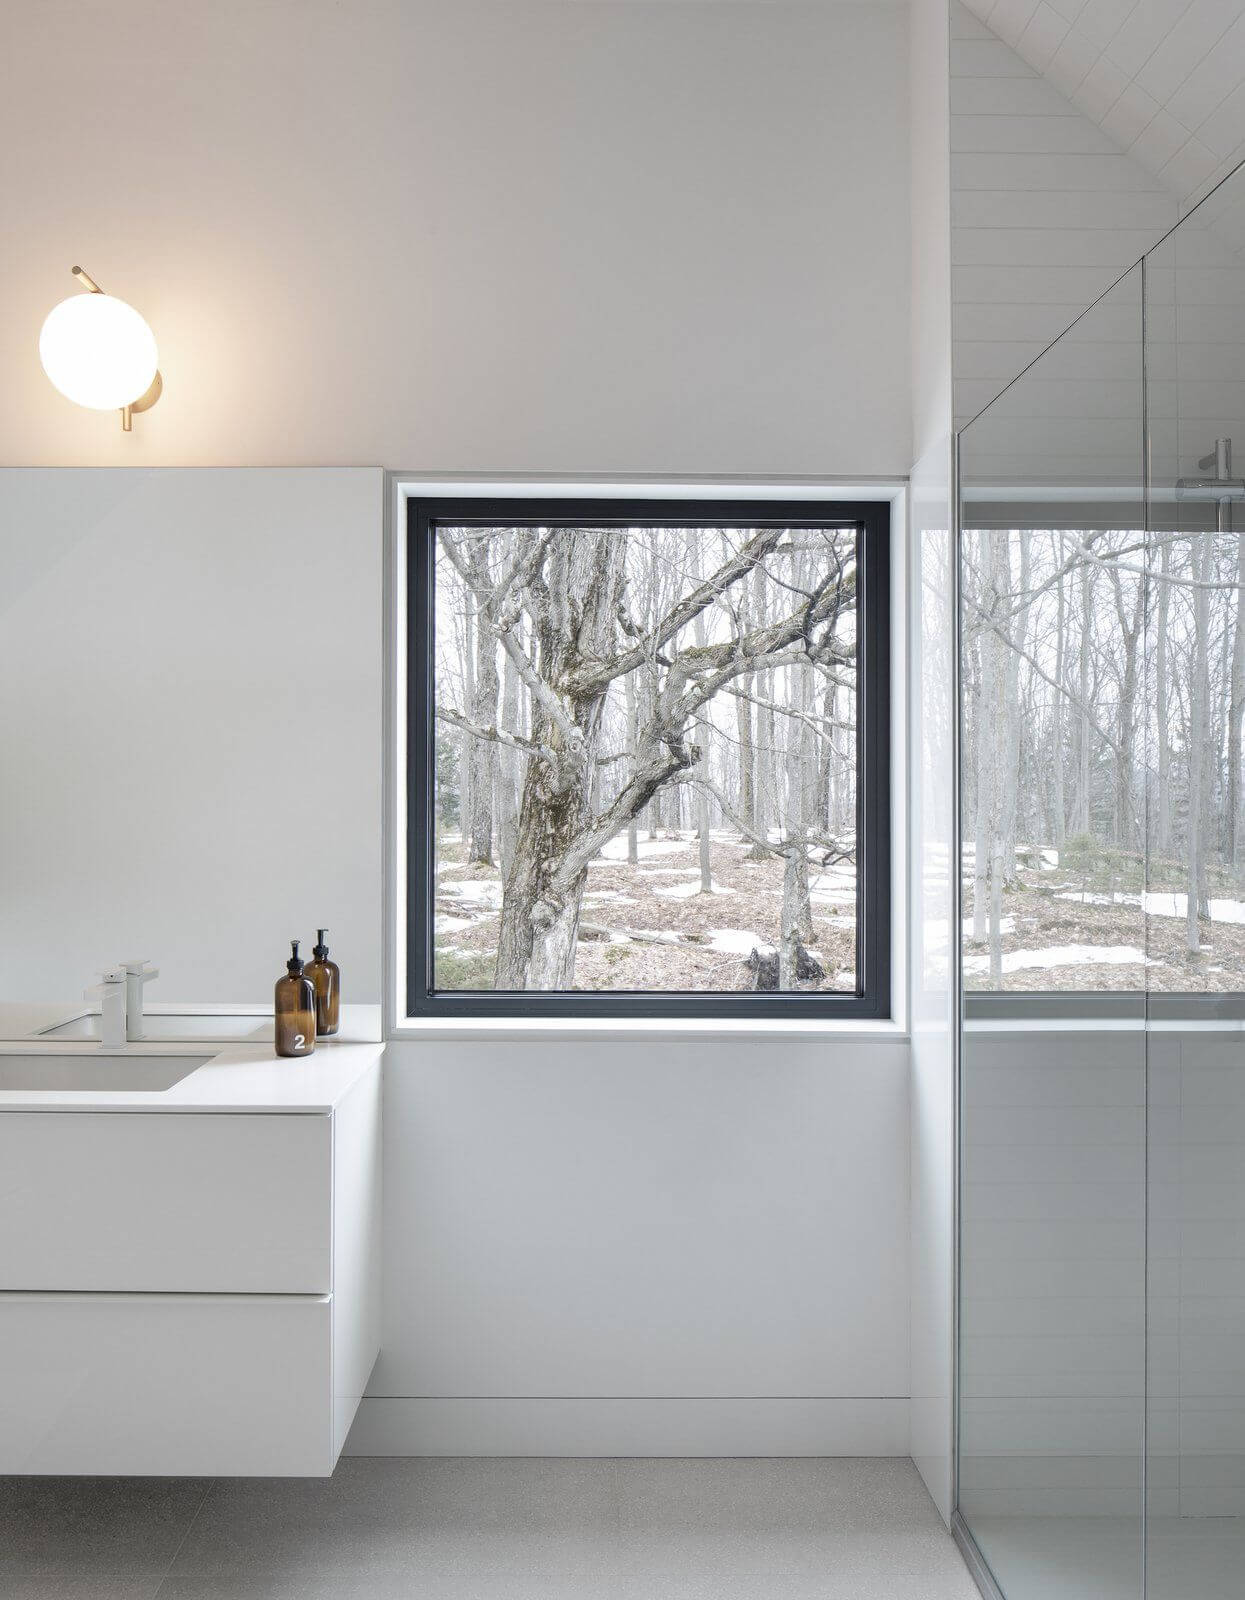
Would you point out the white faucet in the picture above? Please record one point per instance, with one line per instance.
(137, 973)
(111, 990)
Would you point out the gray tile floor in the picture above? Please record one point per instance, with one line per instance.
(513, 1529)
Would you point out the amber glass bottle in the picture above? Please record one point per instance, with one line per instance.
(326, 981)
(294, 1006)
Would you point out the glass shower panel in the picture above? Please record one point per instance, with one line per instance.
(1195, 906)
(1051, 1375)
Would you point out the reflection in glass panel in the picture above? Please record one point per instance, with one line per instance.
(1053, 751)
(1195, 904)
(1052, 1100)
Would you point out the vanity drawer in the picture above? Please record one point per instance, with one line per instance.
(166, 1385)
(187, 1202)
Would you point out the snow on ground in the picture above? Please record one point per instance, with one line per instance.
(443, 924)
(737, 942)
(483, 892)
(836, 887)
(608, 897)
(685, 891)
(1065, 955)
(1161, 905)
(616, 849)
(1046, 859)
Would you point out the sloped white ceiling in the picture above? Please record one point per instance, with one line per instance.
(1164, 79)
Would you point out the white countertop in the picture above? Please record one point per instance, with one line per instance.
(238, 1078)
(27, 1021)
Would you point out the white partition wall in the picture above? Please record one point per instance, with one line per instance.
(190, 698)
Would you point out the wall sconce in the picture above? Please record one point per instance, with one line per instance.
(100, 353)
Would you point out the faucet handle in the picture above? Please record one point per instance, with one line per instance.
(140, 969)
(109, 978)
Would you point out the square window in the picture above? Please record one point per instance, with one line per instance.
(648, 758)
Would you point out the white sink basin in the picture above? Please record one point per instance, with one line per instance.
(174, 1027)
(113, 1074)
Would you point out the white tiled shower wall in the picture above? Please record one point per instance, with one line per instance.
(1061, 1188)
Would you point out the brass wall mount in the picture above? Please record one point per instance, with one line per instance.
(153, 391)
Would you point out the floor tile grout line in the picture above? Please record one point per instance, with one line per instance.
(181, 1543)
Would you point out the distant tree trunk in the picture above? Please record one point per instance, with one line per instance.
(509, 769)
(704, 764)
(981, 837)
(1163, 824)
(1013, 646)
(465, 767)
(702, 828)
(764, 753)
(653, 808)
(1083, 750)
(824, 812)
(992, 736)
(743, 728)
(789, 929)
(654, 606)
(994, 807)
(793, 766)
(1235, 715)
(633, 740)
(483, 712)
(844, 763)
(808, 800)
(1220, 717)
(1199, 697)
(1059, 815)
(1130, 633)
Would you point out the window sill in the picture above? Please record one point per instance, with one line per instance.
(694, 1029)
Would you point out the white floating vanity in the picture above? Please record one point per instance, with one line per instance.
(189, 1255)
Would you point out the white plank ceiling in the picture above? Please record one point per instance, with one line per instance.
(1164, 79)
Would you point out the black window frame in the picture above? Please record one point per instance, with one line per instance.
(872, 1000)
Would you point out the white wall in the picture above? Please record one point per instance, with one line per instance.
(610, 1243)
(599, 1247)
(492, 237)
(190, 713)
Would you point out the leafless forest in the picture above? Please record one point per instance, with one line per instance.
(645, 758)
(1104, 685)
